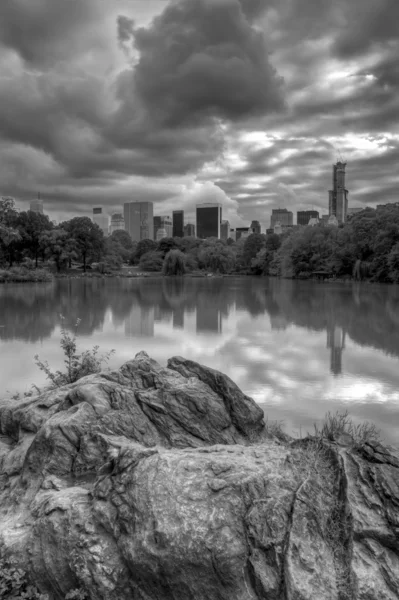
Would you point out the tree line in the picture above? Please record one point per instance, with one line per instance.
(366, 246)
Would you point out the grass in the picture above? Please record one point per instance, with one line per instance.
(335, 425)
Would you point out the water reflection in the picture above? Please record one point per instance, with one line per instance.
(368, 314)
(301, 347)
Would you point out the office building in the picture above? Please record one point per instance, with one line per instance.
(303, 216)
(37, 205)
(332, 220)
(224, 230)
(178, 223)
(167, 224)
(338, 196)
(189, 230)
(242, 232)
(161, 233)
(324, 219)
(278, 229)
(157, 225)
(283, 216)
(232, 234)
(117, 222)
(255, 227)
(209, 219)
(139, 220)
(100, 219)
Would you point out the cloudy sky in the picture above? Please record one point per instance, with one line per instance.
(246, 102)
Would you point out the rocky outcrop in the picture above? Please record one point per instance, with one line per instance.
(153, 483)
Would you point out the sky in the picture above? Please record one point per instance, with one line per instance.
(243, 102)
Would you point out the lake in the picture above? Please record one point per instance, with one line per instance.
(298, 348)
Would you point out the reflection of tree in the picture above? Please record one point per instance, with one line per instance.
(27, 311)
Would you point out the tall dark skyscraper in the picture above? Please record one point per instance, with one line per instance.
(139, 220)
(178, 223)
(338, 196)
(209, 219)
(303, 216)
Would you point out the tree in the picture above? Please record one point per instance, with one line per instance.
(88, 236)
(58, 246)
(217, 258)
(144, 246)
(253, 243)
(151, 261)
(174, 263)
(9, 234)
(167, 244)
(31, 225)
(122, 237)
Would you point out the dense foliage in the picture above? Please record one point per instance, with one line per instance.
(366, 246)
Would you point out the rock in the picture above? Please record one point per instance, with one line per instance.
(153, 483)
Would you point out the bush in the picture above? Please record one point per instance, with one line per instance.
(151, 261)
(14, 584)
(77, 365)
(22, 274)
(338, 424)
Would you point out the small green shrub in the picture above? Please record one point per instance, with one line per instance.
(76, 365)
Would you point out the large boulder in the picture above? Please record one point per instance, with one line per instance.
(153, 483)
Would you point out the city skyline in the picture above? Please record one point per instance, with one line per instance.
(89, 116)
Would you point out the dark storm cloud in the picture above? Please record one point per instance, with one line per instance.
(202, 59)
(367, 23)
(44, 31)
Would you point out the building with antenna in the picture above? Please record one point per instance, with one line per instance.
(338, 196)
(37, 205)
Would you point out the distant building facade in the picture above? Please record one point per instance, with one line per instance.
(278, 229)
(225, 230)
(354, 210)
(157, 225)
(283, 216)
(242, 232)
(139, 220)
(100, 219)
(338, 196)
(255, 227)
(161, 233)
(117, 222)
(209, 219)
(232, 234)
(189, 230)
(313, 221)
(303, 216)
(178, 223)
(324, 219)
(36, 206)
(332, 220)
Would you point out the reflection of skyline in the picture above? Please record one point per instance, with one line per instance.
(140, 322)
(209, 319)
(336, 343)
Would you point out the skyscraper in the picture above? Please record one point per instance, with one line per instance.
(117, 222)
(255, 227)
(37, 205)
(178, 223)
(283, 216)
(100, 219)
(139, 220)
(242, 232)
(303, 216)
(209, 219)
(224, 230)
(189, 230)
(157, 225)
(338, 196)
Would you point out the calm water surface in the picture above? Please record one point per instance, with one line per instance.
(299, 349)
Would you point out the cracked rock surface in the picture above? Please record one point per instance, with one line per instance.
(153, 483)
